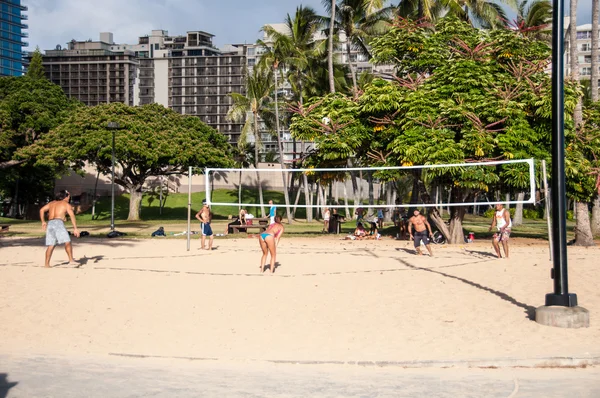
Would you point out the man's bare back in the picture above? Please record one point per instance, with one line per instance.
(57, 210)
(55, 230)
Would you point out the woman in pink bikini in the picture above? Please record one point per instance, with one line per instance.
(268, 243)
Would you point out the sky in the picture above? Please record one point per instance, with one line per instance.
(56, 22)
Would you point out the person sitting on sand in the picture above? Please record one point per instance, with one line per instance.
(268, 241)
(360, 231)
(56, 233)
(373, 233)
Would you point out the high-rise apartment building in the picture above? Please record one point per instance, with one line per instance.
(584, 51)
(92, 73)
(11, 37)
(185, 73)
(191, 76)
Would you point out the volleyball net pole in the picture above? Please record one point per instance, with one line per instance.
(189, 220)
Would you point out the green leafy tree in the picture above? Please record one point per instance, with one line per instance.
(29, 109)
(35, 70)
(461, 95)
(582, 166)
(152, 141)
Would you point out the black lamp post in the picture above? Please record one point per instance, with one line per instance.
(561, 295)
(113, 126)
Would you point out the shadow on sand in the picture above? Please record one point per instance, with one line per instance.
(41, 242)
(529, 310)
(5, 385)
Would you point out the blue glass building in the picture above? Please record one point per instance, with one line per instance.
(11, 37)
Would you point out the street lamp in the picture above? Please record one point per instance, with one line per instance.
(113, 126)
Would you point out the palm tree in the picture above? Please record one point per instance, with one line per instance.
(358, 20)
(255, 105)
(420, 9)
(486, 13)
(330, 48)
(534, 17)
(295, 48)
(583, 230)
(595, 51)
(594, 89)
(291, 50)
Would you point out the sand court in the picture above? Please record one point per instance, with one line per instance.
(329, 300)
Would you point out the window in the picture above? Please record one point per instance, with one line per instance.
(251, 51)
(584, 35)
(586, 71)
(587, 59)
(586, 47)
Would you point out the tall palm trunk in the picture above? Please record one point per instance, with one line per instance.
(573, 59)
(347, 207)
(583, 230)
(595, 51)
(240, 191)
(518, 219)
(352, 71)
(256, 162)
(330, 48)
(309, 217)
(286, 193)
(596, 217)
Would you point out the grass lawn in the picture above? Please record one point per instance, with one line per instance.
(174, 216)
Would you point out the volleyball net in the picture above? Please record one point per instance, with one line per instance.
(436, 185)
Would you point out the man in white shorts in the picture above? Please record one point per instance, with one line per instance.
(56, 233)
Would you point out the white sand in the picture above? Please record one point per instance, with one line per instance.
(329, 300)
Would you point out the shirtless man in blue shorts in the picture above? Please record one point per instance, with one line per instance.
(56, 233)
(422, 232)
(205, 217)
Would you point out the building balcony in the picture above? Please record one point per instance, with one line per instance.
(24, 17)
(24, 34)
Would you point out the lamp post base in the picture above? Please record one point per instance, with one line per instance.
(563, 317)
(565, 300)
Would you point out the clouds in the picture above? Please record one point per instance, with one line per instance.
(53, 22)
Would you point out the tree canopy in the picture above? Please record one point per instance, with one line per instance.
(150, 141)
(29, 109)
(460, 95)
